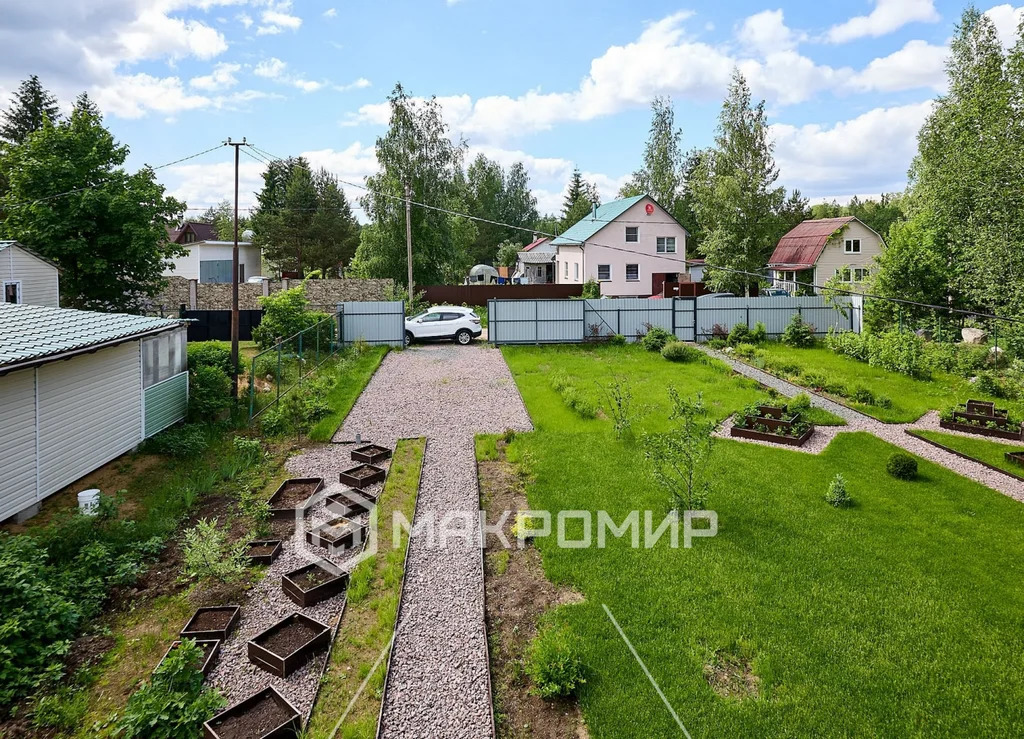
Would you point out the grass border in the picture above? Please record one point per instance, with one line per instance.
(483, 582)
(344, 405)
(943, 447)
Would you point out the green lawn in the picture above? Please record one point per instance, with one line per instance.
(911, 398)
(990, 452)
(353, 374)
(899, 616)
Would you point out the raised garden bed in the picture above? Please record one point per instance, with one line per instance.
(349, 504)
(769, 423)
(288, 645)
(210, 647)
(1016, 458)
(263, 552)
(312, 584)
(361, 476)
(371, 454)
(338, 533)
(293, 495)
(263, 715)
(983, 418)
(214, 622)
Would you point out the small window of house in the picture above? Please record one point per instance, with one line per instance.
(632, 273)
(604, 272)
(566, 270)
(853, 246)
(576, 271)
(666, 245)
(861, 274)
(632, 234)
(12, 291)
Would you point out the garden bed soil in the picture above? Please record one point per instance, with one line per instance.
(371, 454)
(210, 647)
(288, 645)
(348, 505)
(265, 715)
(338, 533)
(212, 622)
(312, 584)
(263, 552)
(968, 428)
(745, 433)
(293, 495)
(361, 476)
(773, 411)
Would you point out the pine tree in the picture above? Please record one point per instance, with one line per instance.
(579, 199)
(30, 105)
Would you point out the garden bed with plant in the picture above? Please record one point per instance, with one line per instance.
(983, 418)
(289, 644)
(993, 454)
(774, 424)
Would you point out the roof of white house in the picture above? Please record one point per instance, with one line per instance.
(594, 221)
(215, 243)
(536, 257)
(30, 333)
(40, 257)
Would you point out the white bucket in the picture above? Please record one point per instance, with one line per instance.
(89, 502)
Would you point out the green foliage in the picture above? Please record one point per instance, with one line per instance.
(64, 709)
(898, 351)
(554, 662)
(617, 340)
(837, 495)
(572, 396)
(759, 335)
(677, 351)
(591, 289)
(209, 392)
(739, 334)
(285, 314)
(848, 343)
(173, 704)
(30, 105)
(678, 460)
(656, 338)
(798, 333)
(209, 354)
(579, 201)
(503, 196)
(507, 254)
(208, 554)
(619, 405)
(663, 174)
(901, 466)
(186, 440)
(302, 407)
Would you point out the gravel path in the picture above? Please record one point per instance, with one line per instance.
(894, 433)
(438, 685)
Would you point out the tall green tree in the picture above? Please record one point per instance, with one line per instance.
(30, 105)
(222, 218)
(662, 175)
(416, 151)
(878, 215)
(579, 201)
(71, 200)
(736, 199)
(334, 231)
(503, 197)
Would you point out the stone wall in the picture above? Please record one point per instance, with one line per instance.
(323, 295)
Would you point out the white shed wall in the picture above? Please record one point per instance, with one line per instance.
(39, 280)
(17, 442)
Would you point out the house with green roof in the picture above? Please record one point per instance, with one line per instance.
(78, 389)
(631, 247)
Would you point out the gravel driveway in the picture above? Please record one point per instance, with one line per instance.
(439, 680)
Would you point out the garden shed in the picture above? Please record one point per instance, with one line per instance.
(77, 389)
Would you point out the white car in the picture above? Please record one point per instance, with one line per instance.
(462, 325)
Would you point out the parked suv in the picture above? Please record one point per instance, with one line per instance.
(462, 325)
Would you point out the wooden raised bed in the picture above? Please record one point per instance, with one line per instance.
(969, 428)
(1016, 458)
(744, 433)
(773, 411)
(210, 623)
(349, 504)
(210, 647)
(263, 552)
(371, 454)
(288, 645)
(338, 533)
(976, 418)
(779, 428)
(293, 495)
(263, 715)
(361, 476)
(312, 584)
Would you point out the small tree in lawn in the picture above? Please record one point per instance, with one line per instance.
(678, 460)
(209, 555)
(619, 405)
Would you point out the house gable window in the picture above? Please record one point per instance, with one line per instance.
(632, 273)
(604, 273)
(666, 245)
(851, 246)
(12, 292)
(632, 234)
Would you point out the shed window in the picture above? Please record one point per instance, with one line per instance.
(12, 291)
(666, 245)
(164, 356)
(632, 234)
(632, 273)
(604, 272)
(852, 246)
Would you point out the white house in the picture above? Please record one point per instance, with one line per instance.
(77, 389)
(631, 247)
(27, 277)
(536, 263)
(815, 251)
(210, 261)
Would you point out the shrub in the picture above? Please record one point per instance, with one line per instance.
(617, 340)
(800, 403)
(815, 380)
(747, 351)
(285, 314)
(273, 422)
(591, 289)
(883, 401)
(798, 333)
(209, 392)
(656, 338)
(208, 555)
(209, 354)
(835, 387)
(187, 440)
(759, 334)
(718, 331)
(861, 394)
(848, 344)
(901, 466)
(897, 351)
(677, 351)
(554, 663)
(173, 704)
(716, 343)
(739, 334)
(249, 449)
(837, 495)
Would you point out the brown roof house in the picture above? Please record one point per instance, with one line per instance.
(816, 251)
(190, 232)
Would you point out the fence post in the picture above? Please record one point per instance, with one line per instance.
(618, 320)
(318, 346)
(300, 358)
(748, 315)
(536, 326)
(674, 317)
(693, 302)
(252, 388)
(278, 370)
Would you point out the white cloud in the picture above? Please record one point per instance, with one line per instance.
(278, 19)
(1006, 19)
(888, 16)
(767, 32)
(221, 78)
(868, 153)
(209, 182)
(131, 96)
(331, 13)
(245, 19)
(275, 69)
(359, 84)
(918, 64)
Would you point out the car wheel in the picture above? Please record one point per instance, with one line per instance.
(408, 338)
(463, 337)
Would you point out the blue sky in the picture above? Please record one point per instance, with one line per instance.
(555, 84)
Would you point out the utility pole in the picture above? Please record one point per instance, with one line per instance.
(408, 236)
(234, 280)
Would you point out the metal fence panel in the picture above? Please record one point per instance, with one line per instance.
(685, 322)
(373, 321)
(630, 317)
(535, 321)
(775, 313)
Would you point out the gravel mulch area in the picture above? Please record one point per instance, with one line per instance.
(439, 684)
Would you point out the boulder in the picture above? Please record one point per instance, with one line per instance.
(973, 335)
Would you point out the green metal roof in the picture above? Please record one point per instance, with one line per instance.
(34, 332)
(584, 228)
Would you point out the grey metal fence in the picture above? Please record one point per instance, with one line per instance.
(689, 319)
(373, 321)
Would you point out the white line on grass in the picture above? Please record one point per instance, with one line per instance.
(646, 671)
(380, 658)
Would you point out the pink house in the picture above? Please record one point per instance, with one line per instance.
(630, 246)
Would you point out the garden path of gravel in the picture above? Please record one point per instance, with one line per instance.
(439, 683)
(894, 433)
